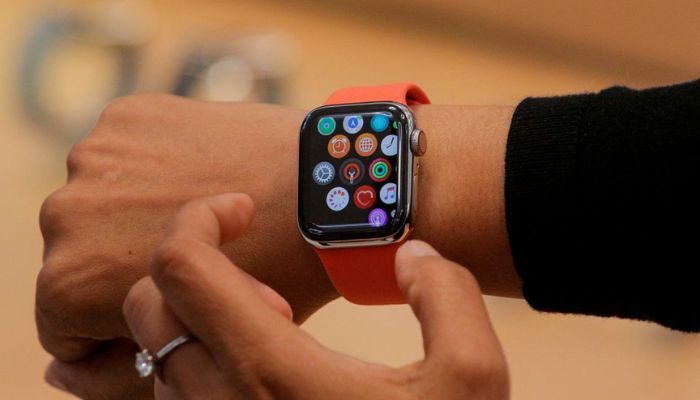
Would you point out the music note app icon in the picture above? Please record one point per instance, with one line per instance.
(388, 193)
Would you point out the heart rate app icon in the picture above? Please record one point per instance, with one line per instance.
(364, 197)
(339, 146)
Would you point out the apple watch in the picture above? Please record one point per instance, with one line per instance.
(358, 168)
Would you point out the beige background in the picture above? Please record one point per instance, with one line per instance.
(461, 52)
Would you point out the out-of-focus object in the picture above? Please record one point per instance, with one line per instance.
(247, 66)
(75, 62)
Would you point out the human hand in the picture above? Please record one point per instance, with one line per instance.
(146, 156)
(248, 348)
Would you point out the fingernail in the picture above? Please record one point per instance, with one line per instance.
(418, 248)
(52, 379)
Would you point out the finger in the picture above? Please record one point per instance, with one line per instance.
(214, 220)
(211, 211)
(189, 369)
(447, 301)
(204, 289)
(270, 297)
(103, 375)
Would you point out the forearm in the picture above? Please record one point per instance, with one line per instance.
(461, 205)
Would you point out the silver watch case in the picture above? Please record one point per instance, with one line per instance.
(417, 146)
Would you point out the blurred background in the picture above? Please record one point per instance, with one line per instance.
(61, 61)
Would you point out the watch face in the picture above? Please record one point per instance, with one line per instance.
(354, 172)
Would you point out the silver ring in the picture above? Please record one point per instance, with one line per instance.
(146, 363)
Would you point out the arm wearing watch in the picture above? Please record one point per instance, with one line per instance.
(597, 197)
(356, 205)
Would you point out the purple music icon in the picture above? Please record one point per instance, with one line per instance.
(378, 218)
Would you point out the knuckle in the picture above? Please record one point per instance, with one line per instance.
(463, 365)
(258, 376)
(124, 108)
(478, 372)
(117, 109)
(57, 298)
(58, 207)
(47, 297)
(173, 259)
(77, 156)
(51, 209)
(198, 206)
(76, 297)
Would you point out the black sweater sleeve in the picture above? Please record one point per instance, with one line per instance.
(602, 203)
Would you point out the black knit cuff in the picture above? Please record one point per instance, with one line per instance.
(541, 212)
(602, 205)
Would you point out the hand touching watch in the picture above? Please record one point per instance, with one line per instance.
(149, 154)
(248, 348)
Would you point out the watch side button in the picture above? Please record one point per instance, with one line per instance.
(419, 143)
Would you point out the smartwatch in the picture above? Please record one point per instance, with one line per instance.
(358, 169)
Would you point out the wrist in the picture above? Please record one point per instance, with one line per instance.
(273, 251)
(461, 205)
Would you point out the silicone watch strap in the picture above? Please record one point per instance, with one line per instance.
(406, 93)
(365, 275)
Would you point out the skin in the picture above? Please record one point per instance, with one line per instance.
(249, 348)
(150, 154)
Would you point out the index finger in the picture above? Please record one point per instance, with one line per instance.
(212, 297)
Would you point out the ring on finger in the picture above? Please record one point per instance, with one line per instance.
(147, 363)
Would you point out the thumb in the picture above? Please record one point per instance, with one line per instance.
(447, 301)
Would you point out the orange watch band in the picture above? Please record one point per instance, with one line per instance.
(406, 93)
(365, 275)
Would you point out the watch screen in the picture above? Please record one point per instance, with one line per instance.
(349, 186)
